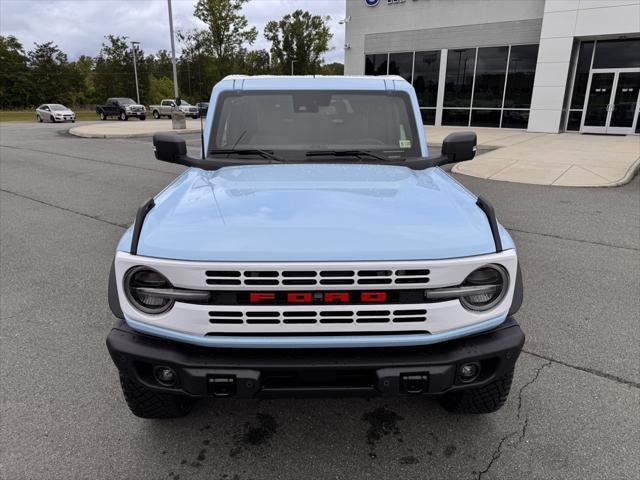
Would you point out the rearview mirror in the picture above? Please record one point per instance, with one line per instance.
(169, 147)
(458, 147)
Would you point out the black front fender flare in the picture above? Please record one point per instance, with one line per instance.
(114, 300)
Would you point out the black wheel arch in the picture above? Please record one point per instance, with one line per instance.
(518, 294)
(114, 300)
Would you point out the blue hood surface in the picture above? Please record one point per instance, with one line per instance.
(314, 212)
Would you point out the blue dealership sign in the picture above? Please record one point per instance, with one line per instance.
(371, 3)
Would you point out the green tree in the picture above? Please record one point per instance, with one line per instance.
(159, 88)
(14, 74)
(114, 76)
(227, 28)
(301, 38)
(256, 62)
(50, 73)
(334, 68)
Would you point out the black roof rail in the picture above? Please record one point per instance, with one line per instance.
(489, 211)
(137, 227)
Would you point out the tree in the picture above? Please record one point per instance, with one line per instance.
(334, 68)
(159, 88)
(257, 62)
(114, 76)
(50, 73)
(14, 74)
(227, 27)
(298, 37)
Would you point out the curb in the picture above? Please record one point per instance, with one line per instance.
(628, 176)
(74, 131)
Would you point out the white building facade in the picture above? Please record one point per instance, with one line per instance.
(541, 65)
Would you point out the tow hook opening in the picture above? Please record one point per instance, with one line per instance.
(222, 385)
(413, 383)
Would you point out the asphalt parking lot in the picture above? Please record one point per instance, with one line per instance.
(572, 413)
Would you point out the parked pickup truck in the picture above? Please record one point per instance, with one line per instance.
(315, 248)
(123, 108)
(168, 105)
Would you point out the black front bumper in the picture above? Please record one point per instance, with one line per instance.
(430, 369)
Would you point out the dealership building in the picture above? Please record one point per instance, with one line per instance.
(540, 65)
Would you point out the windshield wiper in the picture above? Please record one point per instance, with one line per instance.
(349, 153)
(248, 151)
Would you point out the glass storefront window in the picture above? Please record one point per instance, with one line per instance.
(573, 121)
(483, 87)
(491, 70)
(375, 64)
(401, 64)
(522, 70)
(582, 75)
(485, 118)
(455, 117)
(428, 116)
(425, 78)
(515, 118)
(459, 77)
(617, 53)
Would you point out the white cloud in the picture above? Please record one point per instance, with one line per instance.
(78, 27)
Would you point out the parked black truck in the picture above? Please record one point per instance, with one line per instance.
(122, 108)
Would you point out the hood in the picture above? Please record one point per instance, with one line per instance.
(314, 213)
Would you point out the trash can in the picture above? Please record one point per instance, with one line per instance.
(178, 120)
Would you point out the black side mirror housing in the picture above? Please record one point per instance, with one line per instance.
(458, 147)
(170, 147)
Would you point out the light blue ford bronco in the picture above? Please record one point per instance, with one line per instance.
(314, 248)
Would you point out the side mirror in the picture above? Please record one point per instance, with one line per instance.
(170, 147)
(458, 147)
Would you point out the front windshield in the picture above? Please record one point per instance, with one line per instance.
(126, 101)
(57, 107)
(310, 121)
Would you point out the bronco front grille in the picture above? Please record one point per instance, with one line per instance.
(318, 278)
(306, 316)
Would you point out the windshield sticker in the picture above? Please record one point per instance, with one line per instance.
(404, 143)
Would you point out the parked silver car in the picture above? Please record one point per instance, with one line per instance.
(54, 112)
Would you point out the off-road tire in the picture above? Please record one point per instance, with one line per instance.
(146, 403)
(142, 117)
(156, 115)
(102, 116)
(123, 116)
(486, 399)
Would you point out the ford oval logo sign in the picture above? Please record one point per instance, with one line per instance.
(371, 3)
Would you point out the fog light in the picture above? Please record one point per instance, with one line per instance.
(468, 372)
(165, 376)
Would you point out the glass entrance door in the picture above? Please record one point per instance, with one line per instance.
(612, 102)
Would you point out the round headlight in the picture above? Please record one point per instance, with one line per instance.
(495, 281)
(139, 278)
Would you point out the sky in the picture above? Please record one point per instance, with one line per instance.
(78, 26)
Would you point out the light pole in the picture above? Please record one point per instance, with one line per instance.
(135, 69)
(292, 62)
(173, 53)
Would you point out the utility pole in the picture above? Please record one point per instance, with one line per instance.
(135, 69)
(173, 53)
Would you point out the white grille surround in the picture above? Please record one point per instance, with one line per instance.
(311, 319)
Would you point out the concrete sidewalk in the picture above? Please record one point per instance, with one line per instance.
(131, 128)
(569, 159)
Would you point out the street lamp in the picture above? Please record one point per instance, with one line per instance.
(135, 69)
(173, 53)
